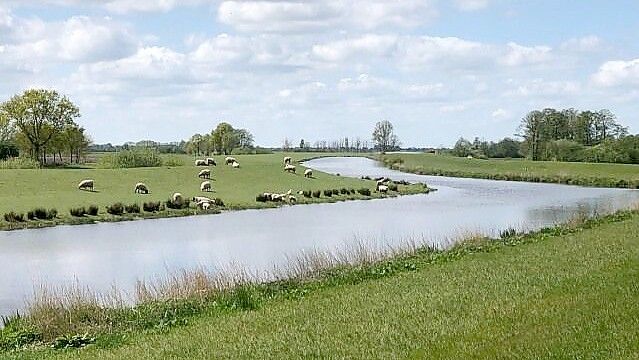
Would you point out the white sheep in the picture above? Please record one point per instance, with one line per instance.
(177, 198)
(289, 168)
(205, 205)
(287, 160)
(200, 162)
(229, 160)
(210, 161)
(236, 165)
(308, 173)
(382, 188)
(141, 188)
(198, 199)
(86, 184)
(205, 186)
(204, 174)
(292, 199)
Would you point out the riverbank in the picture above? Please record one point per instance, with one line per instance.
(547, 293)
(25, 190)
(583, 174)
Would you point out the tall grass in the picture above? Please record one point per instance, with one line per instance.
(19, 163)
(131, 159)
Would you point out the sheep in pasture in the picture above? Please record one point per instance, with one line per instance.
(292, 199)
(177, 198)
(236, 165)
(205, 205)
(301, 192)
(381, 182)
(205, 186)
(199, 199)
(308, 173)
(200, 163)
(210, 161)
(287, 160)
(382, 188)
(141, 188)
(229, 160)
(204, 174)
(86, 185)
(289, 168)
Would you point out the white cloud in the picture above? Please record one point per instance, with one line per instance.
(471, 5)
(543, 88)
(364, 46)
(500, 114)
(442, 51)
(517, 55)
(452, 108)
(115, 6)
(588, 43)
(619, 72)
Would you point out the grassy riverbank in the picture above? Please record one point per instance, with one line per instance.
(565, 292)
(585, 174)
(27, 189)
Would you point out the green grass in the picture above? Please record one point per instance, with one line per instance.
(22, 190)
(561, 293)
(586, 174)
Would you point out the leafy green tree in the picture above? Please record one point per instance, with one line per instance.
(224, 138)
(462, 148)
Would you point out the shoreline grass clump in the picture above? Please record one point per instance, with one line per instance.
(78, 211)
(152, 206)
(115, 209)
(132, 208)
(42, 214)
(12, 216)
(92, 210)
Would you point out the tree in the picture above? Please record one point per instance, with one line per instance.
(302, 144)
(384, 137)
(194, 146)
(39, 115)
(244, 138)
(462, 148)
(224, 138)
(286, 144)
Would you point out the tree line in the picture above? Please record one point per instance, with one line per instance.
(221, 140)
(41, 124)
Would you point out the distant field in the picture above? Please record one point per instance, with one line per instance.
(23, 190)
(556, 296)
(588, 174)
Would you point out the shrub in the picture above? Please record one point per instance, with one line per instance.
(366, 177)
(335, 192)
(316, 193)
(42, 214)
(93, 210)
(151, 206)
(31, 215)
(78, 212)
(352, 191)
(177, 205)
(218, 202)
(306, 193)
(364, 191)
(392, 187)
(328, 193)
(261, 198)
(14, 217)
(131, 159)
(132, 209)
(115, 209)
(344, 191)
(19, 163)
(53, 213)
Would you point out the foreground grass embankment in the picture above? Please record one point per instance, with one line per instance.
(566, 292)
(27, 189)
(585, 174)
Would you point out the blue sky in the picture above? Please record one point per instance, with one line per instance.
(165, 69)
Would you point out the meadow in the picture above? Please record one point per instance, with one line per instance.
(564, 293)
(22, 190)
(584, 174)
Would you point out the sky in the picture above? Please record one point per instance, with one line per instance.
(321, 70)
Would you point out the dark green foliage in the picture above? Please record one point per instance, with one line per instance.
(78, 212)
(74, 341)
(151, 206)
(328, 193)
(306, 193)
(14, 217)
(218, 202)
(115, 209)
(92, 210)
(335, 192)
(143, 157)
(344, 191)
(132, 208)
(15, 337)
(177, 205)
(364, 191)
(42, 214)
(352, 191)
(261, 198)
(316, 193)
(392, 187)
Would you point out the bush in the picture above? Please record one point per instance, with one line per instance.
(218, 202)
(344, 191)
(364, 191)
(177, 205)
(78, 212)
(31, 215)
(261, 198)
(335, 192)
(328, 193)
(93, 210)
(115, 209)
(352, 191)
(151, 206)
(392, 187)
(306, 193)
(19, 163)
(316, 193)
(132, 209)
(42, 214)
(131, 159)
(14, 217)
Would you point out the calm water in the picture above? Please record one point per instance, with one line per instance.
(119, 253)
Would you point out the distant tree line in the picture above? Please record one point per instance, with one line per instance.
(224, 139)
(41, 124)
(505, 148)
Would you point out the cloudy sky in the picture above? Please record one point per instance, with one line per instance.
(165, 69)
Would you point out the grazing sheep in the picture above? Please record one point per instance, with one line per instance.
(205, 186)
(86, 184)
(287, 160)
(381, 182)
(469, 157)
(292, 199)
(210, 161)
(308, 173)
(200, 163)
(177, 198)
(199, 199)
(301, 192)
(382, 188)
(289, 168)
(229, 160)
(236, 165)
(141, 188)
(204, 174)
(205, 205)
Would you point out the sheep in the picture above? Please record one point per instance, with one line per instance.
(199, 199)
(289, 168)
(200, 163)
(236, 165)
(204, 205)
(210, 161)
(229, 160)
(141, 188)
(205, 186)
(287, 160)
(308, 173)
(381, 182)
(204, 174)
(177, 198)
(86, 184)
(292, 199)
(382, 188)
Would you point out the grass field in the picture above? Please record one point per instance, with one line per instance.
(562, 293)
(587, 174)
(23, 190)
